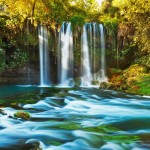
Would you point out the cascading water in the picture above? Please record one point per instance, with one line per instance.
(93, 54)
(65, 55)
(44, 57)
(86, 66)
(94, 46)
(103, 77)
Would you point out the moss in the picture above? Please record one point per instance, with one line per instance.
(110, 134)
(16, 100)
(56, 143)
(62, 93)
(23, 115)
(143, 84)
(70, 127)
(135, 80)
(101, 129)
(122, 138)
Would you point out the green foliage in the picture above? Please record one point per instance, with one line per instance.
(144, 60)
(29, 39)
(2, 60)
(135, 79)
(143, 83)
(137, 12)
(135, 70)
(2, 55)
(127, 55)
(19, 58)
(111, 25)
(134, 14)
(23, 115)
(116, 71)
(13, 15)
(113, 10)
(77, 21)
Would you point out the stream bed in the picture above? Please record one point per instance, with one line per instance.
(73, 119)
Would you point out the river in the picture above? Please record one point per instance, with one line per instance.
(73, 119)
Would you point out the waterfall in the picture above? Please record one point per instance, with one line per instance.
(86, 66)
(44, 56)
(93, 55)
(94, 46)
(103, 77)
(65, 55)
(93, 61)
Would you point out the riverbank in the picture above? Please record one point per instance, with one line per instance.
(135, 80)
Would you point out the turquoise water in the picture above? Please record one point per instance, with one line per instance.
(75, 119)
(7, 91)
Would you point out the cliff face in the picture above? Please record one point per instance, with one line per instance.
(20, 75)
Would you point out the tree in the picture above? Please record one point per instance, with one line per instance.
(137, 12)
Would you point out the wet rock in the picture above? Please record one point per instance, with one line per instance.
(2, 112)
(10, 116)
(32, 144)
(23, 115)
(16, 105)
(103, 85)
(1, 127)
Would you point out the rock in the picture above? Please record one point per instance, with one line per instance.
(23, 115)
(124, 87)
(31, 144)
(103, 85)
(2, 112)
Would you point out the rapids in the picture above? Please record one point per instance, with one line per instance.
(75, 119)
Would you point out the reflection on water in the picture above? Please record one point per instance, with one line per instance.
(77, 119)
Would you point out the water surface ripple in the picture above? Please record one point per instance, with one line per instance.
(79, 119)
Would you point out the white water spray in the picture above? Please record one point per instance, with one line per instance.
(86, 67)
(44, 57)
(103, 77)
(93, 55)
(65, 55)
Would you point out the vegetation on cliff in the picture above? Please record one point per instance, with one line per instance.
(135, 79)
(126, 23)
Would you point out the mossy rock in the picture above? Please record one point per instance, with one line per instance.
(31, 144)
(103, 85)
(23, 115)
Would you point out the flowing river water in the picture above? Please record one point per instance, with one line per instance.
(73, 119)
